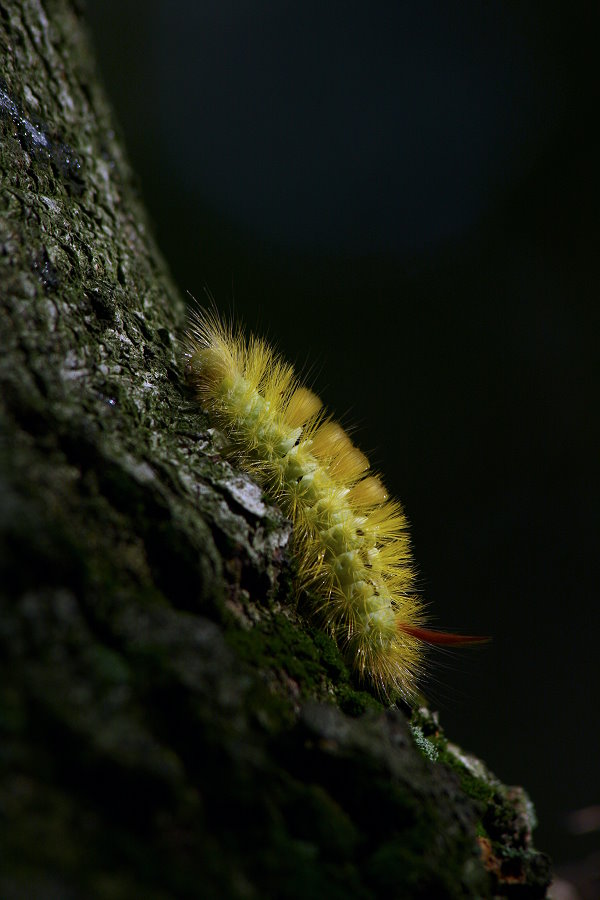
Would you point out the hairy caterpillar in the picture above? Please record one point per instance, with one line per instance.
(350, 538)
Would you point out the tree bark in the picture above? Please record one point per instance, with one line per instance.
(171, 726)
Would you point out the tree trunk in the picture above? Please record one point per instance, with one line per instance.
(171, 725)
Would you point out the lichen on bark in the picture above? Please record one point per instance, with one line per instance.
(171, 725)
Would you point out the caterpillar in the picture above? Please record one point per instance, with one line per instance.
(351, 540)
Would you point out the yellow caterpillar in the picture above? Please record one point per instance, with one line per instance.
(350, 538)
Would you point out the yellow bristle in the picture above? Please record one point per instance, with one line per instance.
(330, 440)
(302, 406)
(368, 492)
(350, 463)
(387, 521)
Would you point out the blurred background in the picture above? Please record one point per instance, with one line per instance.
(404, 198)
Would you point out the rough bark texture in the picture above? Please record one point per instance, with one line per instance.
(170, 725)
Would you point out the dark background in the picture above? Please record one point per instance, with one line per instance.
(403, 196)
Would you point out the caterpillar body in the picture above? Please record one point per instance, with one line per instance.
(350, 538)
